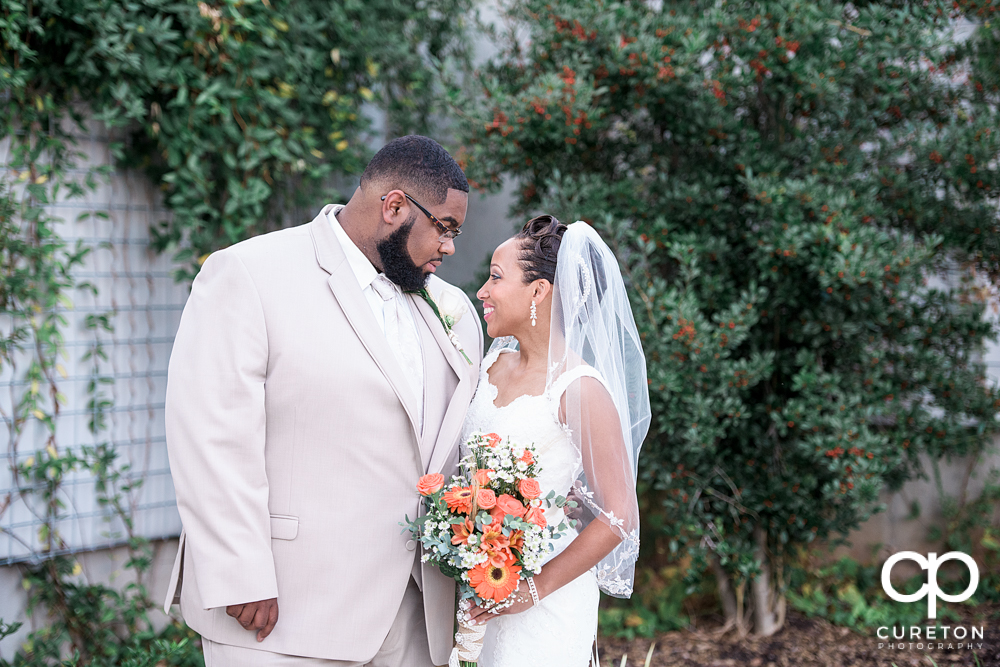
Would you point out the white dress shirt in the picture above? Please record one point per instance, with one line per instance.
(366, 273)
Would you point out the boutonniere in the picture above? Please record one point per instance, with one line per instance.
(449, 309)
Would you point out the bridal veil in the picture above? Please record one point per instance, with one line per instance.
(596, 367)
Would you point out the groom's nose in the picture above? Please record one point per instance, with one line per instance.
(448, 247)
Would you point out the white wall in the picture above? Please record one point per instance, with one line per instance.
(137, 285)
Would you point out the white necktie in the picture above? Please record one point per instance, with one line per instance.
(402, 336)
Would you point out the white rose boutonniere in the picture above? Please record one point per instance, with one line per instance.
(449, 308)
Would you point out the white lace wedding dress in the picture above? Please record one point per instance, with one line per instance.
(560, 631)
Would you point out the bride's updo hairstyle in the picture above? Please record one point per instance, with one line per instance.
(539, 240)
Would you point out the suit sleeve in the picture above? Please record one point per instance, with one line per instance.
(215, 434)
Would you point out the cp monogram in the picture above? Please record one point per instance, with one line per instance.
(930, 589)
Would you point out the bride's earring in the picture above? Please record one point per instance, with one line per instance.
(534, 314)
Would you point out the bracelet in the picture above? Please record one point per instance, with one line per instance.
(533, 590)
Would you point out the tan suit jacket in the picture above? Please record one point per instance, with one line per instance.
(295, 451)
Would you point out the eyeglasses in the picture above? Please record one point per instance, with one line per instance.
(446, 231)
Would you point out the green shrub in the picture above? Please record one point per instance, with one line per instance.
(657, 605)
(850, 594)
(972, 526)
(803, 202)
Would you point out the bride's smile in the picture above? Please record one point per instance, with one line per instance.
(511, 299)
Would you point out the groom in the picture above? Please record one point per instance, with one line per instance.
(308, 390)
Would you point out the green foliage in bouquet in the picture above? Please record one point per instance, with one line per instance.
(803, 197)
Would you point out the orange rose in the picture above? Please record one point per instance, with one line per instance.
(498, 514)
(529, 488)
(492, 439)
(483, 476)
(430, 484)
(527, 457)
(536, 516)
(510, 505)
(486, 499)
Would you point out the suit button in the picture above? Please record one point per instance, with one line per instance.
(410, 545)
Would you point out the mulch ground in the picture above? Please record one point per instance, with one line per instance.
(803, 642)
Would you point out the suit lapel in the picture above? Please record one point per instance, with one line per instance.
(451, 426)
(344, 285)
(453, 356)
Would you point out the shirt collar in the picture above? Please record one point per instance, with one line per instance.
(363, 269)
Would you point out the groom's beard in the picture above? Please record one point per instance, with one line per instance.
(397, 264)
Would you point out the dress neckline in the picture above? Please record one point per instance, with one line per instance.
(495, 391)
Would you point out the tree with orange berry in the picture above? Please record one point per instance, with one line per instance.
(804, 199)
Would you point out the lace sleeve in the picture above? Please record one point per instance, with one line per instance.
(605, 487)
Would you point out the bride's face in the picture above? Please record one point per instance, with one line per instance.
(506, 298)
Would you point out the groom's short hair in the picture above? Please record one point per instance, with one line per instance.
(417, 165)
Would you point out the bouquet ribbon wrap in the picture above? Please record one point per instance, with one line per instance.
(468, 643)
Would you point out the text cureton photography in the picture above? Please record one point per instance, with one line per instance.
(927, 637)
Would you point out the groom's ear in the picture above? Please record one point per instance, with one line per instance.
(392, 204)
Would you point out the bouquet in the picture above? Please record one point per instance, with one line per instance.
(486, 528)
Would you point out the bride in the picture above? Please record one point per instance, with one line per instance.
(565, 372)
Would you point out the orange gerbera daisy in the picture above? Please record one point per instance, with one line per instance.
(459, 499)
(494, 583)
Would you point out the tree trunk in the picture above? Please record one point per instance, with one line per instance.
(726, 593)
(768, 598)
(764, 599)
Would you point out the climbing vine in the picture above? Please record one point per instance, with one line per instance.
(241, 111)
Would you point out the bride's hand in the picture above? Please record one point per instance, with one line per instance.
(476, 615)
(575, 494)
